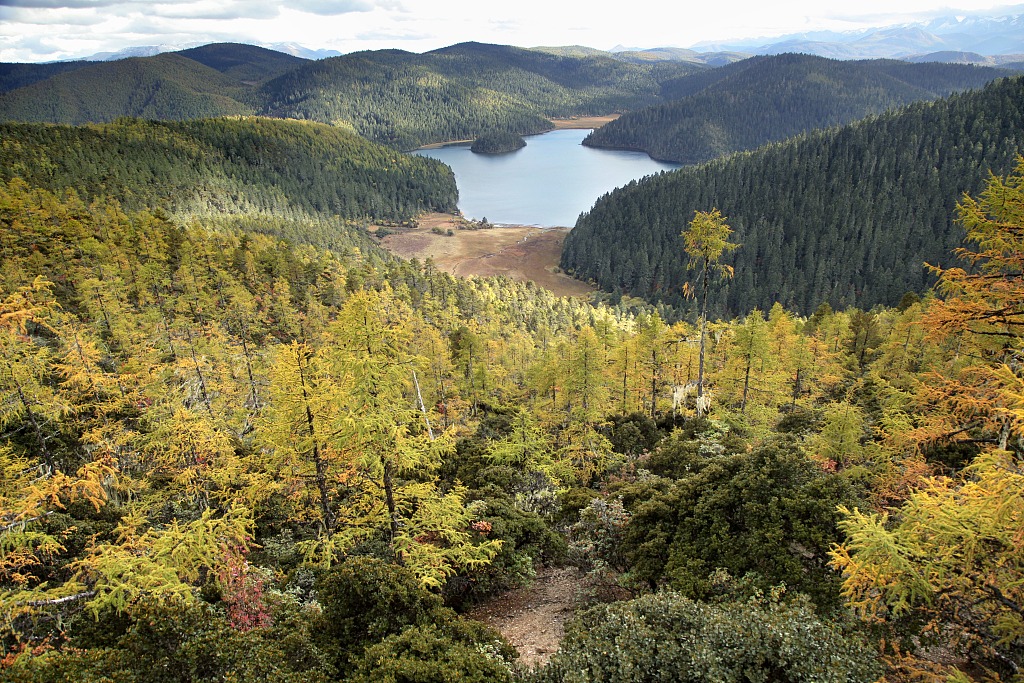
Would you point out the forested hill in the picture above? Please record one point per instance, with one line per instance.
(247, 63)
(167, 86)
(397, 98)
(767, 99)
(405, 100)
(17, 75)
(212, 80)
(846, 216)
(277, 170)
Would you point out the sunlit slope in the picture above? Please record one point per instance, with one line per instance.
(280, 170)
(167, 86)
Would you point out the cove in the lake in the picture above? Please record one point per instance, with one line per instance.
(548, 183)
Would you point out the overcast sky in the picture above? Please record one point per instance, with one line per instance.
(41, 30)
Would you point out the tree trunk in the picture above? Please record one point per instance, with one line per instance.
(389, 497)
(703, 330)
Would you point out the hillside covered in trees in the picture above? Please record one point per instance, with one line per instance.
(768, 99)
(17, 75)
(678, 110)
(166, 86)
(847, 216)
(207, 81)
(309, 182)
(397, 98)
(240, 442)
(246, 459)
(458, 92)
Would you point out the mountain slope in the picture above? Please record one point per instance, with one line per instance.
(279, 170)
(390, 96)
(847, 215)
(246, 63)
(767, 99)
(167, 86)
(14, 75)
(406, 100)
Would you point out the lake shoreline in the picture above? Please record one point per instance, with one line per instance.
(580, 122)
(549, 183)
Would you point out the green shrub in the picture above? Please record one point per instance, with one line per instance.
(770, 513)
(669, 638)
(175, 643)
(372, 608)
(454, 651)
(366, 599)
(526, 539)
(634, 433)
(691, 445)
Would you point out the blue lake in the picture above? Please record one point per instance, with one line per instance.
(548, 183)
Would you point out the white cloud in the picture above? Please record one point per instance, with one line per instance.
(393, 34)
(60, 4)
(18, 16)
(37, 30)
(332, 7)
(218, 11)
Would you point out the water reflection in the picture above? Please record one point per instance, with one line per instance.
(549, 183)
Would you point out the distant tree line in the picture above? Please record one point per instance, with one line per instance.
(397, 98)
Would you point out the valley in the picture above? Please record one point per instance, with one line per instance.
(279, 404)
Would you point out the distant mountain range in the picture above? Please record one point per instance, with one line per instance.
(971, 39)
(293, 49)
(996, 37)
(405, 100)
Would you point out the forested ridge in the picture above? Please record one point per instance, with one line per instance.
(249, 64)
(768, 99)
(16, 75)
(212, 80)
(309, 182)
(847, 216)
(459, 92)
(680, 111)
(166, 86)
(397, 98)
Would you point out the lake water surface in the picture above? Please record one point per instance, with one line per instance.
(548, 183)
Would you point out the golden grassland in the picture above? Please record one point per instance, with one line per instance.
(521, 253)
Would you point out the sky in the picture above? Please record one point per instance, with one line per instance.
(46, 30)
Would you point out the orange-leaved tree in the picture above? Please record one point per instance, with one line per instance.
(953, 554)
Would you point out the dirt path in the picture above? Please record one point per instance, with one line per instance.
(533, 618)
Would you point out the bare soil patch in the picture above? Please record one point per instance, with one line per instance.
(533, 618)
(522, 253)
(584, 121)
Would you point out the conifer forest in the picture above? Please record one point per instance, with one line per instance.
(242, 441)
